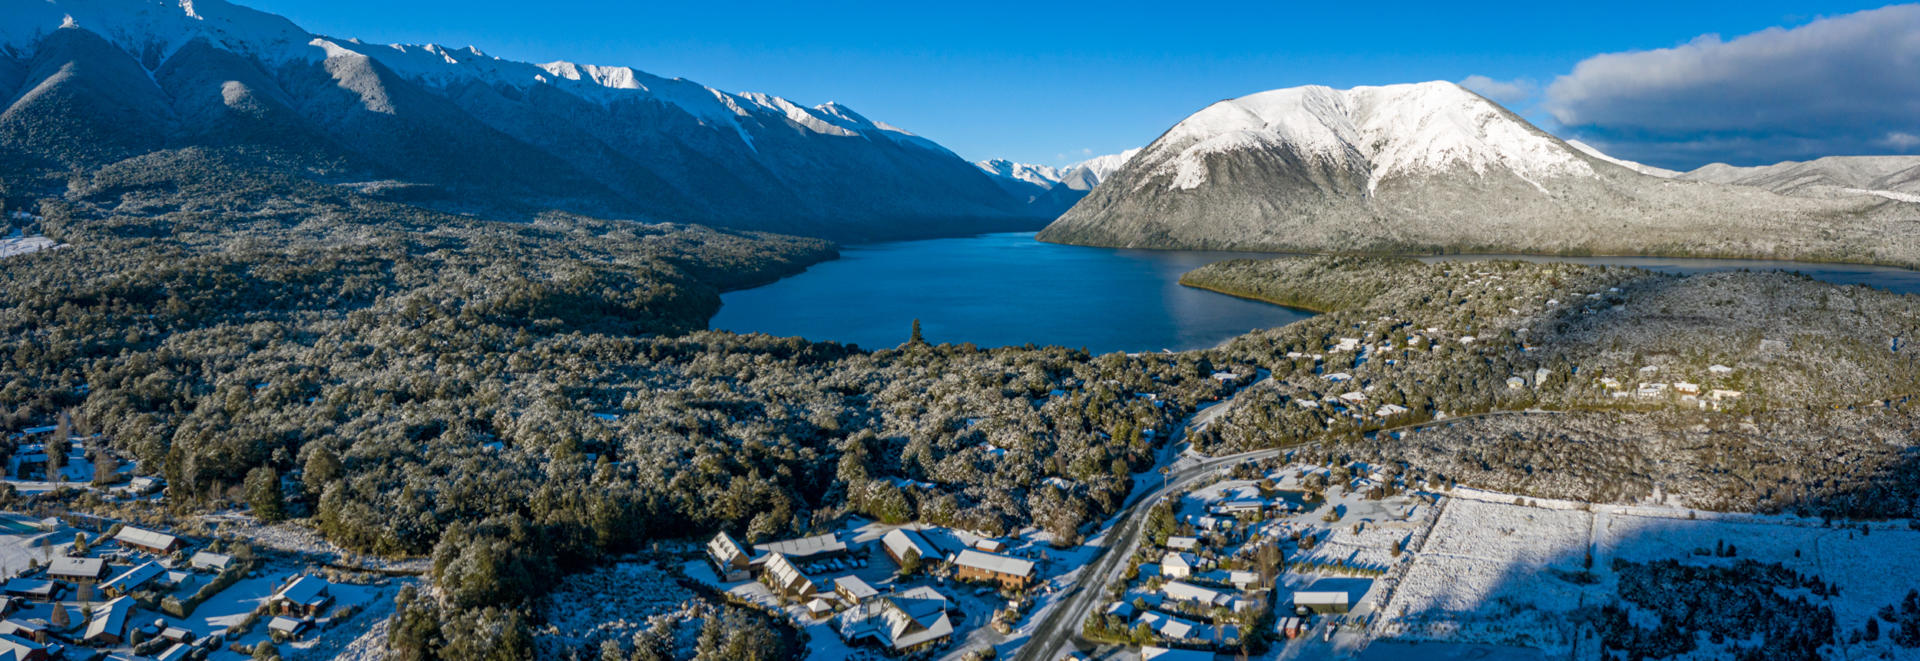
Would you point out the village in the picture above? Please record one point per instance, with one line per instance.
(83, 587)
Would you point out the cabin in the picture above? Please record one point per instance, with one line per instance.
(210, 561)
(21, 649)
(1205, 598)
(177, 652)
(1183, 543)
(132, 579)
(305, 596)
(852, 591)
(287, 628)
(77, 570)
(1320, 602)
(1010, 573)
(35, 589)
(901, 544)
(109, 624)
(35, 630)
(990, 545)
(785, 578)
(1240, 508)
(730, 561)
(158, 543)
(901, 623)
(1178, 565)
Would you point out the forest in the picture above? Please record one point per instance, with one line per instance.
(518, 400)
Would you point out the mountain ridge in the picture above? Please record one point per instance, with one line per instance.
(1434, 168)
(510, 137)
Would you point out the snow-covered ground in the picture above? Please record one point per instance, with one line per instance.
(14, 246)
(1493, 572)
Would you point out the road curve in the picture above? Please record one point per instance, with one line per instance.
(1053, 637)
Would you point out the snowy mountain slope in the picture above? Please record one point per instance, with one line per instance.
(1432, 167)
(1089, 173)
(1630, 165)
(1894, 177)
(89, 82)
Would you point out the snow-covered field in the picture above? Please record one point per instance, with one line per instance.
(13, 246)
(1493, 572)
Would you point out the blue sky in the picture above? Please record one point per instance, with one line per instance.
(1052, 82)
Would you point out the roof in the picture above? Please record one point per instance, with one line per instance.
(1321, 598)
(804, 546)
(902, 620)
(29, 586)
(209, 559)
(306, 591)
(724, 548)
(110, 619)
(17, 647)
(65, 566)
(1182, 543)
(1179, 591)
(852, 585)
(147, 538)
(998, 564)
(786, 577)
(284, 624)
(135, 577)
(175, 653)
(899, 540)
(1183, 559)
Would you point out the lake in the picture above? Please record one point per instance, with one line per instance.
(1008, 289)
(1002, 290)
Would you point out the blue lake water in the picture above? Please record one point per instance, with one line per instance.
(1002, 290)
(1008, 289)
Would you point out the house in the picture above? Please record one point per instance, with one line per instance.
(147, 540)
(901, 623)
(806, 549)
(21, 649)
(1240, 508)
(1720, 395)
(1011, 573)
(730, 561)
(1685, 388)
(145, 485)
(1347, 344)
(1188, 593)
(210, 561)
(35, 589)
(177, 634)
(853, 591)
(785, 578)
(1174, 629)
(175, 579)
(287, 628)
(1245, 580)
(1178, 565)
(990, 545)
(1151, 653)
(1338, 377)
(1320, 602)
(818, 607)
(77, 570)
(1183, 543)
(109, 623)
(1390, 410)
(1516, 383)
(1355, 397)
(132, 579)
(901, 544)
(1719, 369)
(35, 630)
(305, 596)
(1652, 389)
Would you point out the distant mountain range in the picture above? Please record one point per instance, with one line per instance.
(1433, 167)
(1051, 191)
(93, 82)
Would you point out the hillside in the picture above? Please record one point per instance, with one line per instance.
(1432, 168)
(90, 83)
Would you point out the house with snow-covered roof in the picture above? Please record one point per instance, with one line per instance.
(785, 578)
(305, 596)
(730, 561)
(900, 623)
(1012, 573)
(147, 540)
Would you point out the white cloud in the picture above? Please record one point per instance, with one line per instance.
(1504, 92)
(1900, 140)
(1840, 85)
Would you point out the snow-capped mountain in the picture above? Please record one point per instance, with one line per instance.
(1892, 177)
(1053, 190)
(1429, 167)
(1641, 168)
(91, 82)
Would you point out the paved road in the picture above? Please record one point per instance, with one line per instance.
(1054, 636)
